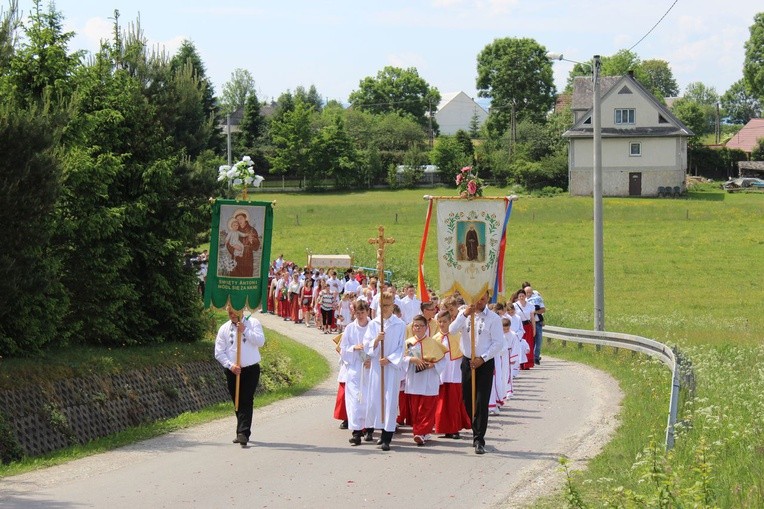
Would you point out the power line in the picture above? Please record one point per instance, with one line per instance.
(655, 25)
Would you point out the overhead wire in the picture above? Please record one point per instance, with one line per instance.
(654, 26)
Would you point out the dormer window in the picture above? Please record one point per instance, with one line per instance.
(625, 115)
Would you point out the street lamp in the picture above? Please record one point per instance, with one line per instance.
(599, 267)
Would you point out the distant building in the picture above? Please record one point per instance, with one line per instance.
(644, 146)
(748, 137)
(456, 111)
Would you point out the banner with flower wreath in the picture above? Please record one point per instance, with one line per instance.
(240, 249)
(470, 245)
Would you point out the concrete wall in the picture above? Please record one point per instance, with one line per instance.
(615, 181)
(663, 163)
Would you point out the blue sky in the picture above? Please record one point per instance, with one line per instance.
(335, 44)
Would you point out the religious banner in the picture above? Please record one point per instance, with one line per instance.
(470, 247)
(240, 247)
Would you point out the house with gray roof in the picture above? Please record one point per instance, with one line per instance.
(644, 146)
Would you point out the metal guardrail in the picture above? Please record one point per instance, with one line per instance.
(639, 344)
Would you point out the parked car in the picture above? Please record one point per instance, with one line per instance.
(744, 183)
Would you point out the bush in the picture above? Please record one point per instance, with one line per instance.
(550, 171)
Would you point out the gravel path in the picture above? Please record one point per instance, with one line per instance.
(299, 457)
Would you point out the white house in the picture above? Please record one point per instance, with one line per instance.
(644, 146)
(456, 111)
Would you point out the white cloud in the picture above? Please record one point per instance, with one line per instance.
(405, 60)
(691, 24)
(171, 46)
(95, 31)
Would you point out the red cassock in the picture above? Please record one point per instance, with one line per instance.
(528, 335)
(422, 413)
(450, 414)
(340, 412)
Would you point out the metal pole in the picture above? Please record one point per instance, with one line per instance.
(228, 130)
(599, 271)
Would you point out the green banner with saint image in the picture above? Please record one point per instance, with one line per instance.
(240, 249)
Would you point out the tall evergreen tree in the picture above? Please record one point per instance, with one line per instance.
(30, 292)
(42, 64)
(130, 236)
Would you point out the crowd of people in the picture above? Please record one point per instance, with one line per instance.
(404, 362)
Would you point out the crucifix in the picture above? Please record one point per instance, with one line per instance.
(381, 241)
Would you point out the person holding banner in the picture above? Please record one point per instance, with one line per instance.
(384, 333)
(489, 339)
(252, 339)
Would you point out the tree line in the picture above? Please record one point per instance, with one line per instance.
(107, 162)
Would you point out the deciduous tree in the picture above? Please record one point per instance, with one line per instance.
(236, 90)
(739, 104)
(753, 66)
(397, 90)
(658, 78)
(513, 71)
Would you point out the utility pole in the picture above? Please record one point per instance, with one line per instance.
(228, 131)
(431, 133)
(599, 266)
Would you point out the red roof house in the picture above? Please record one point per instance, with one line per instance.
(747, 138)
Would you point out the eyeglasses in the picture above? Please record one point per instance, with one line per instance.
(417, 326)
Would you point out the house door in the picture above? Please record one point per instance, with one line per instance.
(635, 184)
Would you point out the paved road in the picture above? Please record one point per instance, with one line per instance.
(299, 457)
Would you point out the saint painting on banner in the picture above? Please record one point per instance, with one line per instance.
(472, 243)
(239, 252)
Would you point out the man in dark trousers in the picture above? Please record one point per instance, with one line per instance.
(252, 338)
(488, 342)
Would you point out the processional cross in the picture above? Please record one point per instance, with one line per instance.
(381, 241)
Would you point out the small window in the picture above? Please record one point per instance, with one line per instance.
(662, 119)
(635, 149)
(624, 116)
(588, 120)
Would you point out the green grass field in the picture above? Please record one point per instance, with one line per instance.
(686, 272)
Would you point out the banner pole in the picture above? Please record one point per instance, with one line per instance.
(238, 361)
(472, 344)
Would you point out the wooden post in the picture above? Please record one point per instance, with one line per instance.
(381, 241)
(472, 344)
(238, 361)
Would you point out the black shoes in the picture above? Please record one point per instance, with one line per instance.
(537, 361)
(344, 425)
(356, 438)
(455, 436)
(479, 449)
(241, 438)
(385, 446)
(369, 436)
